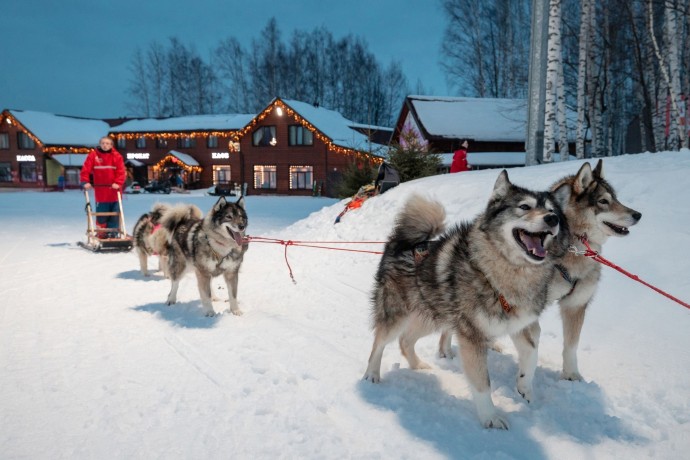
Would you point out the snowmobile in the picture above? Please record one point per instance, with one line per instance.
(106, 239)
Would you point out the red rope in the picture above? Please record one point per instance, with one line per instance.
(596, 256)
(311, 244)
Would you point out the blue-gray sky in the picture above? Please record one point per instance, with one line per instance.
(71, 56)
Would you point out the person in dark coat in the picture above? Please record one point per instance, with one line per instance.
(109, 174)
(459, 163)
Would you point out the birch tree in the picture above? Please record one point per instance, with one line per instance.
(584, 37)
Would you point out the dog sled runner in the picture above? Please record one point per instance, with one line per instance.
(100, 239)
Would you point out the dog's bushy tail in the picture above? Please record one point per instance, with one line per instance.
(419, 220)
(177, 215)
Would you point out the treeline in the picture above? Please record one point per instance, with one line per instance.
(622, 65)
(173, 79)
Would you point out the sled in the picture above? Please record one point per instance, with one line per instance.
(106, 239)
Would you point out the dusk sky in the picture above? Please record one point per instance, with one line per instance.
(71, 57)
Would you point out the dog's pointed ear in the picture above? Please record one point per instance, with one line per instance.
(583, 178)
(220, 203)
(599, 169)
(502, 184)
(240, 202)
(562, 195)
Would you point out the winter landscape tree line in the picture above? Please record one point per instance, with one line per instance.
(622, 66)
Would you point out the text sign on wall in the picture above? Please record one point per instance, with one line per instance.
(220, 155)
(138, 156)
(26, 158)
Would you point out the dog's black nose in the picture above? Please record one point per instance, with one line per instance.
(637, 215)
(551, 220)
(241, 227)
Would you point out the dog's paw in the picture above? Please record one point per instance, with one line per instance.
(495, 421)
(525, 391)
(572, 376)
(446, 354)
(210, 314)
(420, 365)
(237, 312)
(373, 377)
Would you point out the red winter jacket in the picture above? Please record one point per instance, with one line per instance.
(459, 163)
(108, 168)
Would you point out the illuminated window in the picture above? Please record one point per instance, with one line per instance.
(212, 142)
(301, 177)
(161, 143)
(27, 171)
(24, 141)
(121, 143)
(265, 136)
(5, 172)
(265, 177)
(299, 135)
(141, 142)
(221, 175)
(4, 141)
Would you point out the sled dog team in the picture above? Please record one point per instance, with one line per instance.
(477, 281)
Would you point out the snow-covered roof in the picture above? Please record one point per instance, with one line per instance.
(70, 159)
(184, 158)
(188, 123)
(53, 129)
(333, 125)
(479, 119)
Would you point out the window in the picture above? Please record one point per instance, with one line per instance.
(265, 136)
(301, 177)
(25, 142)
(161, 142)
(186, 143)
(265, 177)
(141, 142)
(212, 142)
(5, 172)
(221, 174)
(4, 141)
(27, 171)
(299, 135)
(121, 143)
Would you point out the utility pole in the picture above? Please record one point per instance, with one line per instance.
(534, 145)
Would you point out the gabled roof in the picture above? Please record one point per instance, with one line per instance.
(333, 125)
(188, 123)
(53, 129)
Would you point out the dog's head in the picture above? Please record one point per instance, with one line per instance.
(157, 212)
(530, 225)
(594, 209)
(231, 218)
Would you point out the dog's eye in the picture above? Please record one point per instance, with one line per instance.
(525, 207)
(604, 201)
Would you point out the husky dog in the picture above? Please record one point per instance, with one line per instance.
(213, 245)
(480, 280)
(148, 240)
(594, 212)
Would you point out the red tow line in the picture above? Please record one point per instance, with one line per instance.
(311, 244)
(589, 252)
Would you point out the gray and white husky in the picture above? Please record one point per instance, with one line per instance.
(148, 241)
(481, 280)
(213, 245)
(594, 212)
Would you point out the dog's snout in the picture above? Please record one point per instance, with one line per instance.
(241, 226)
(637, 216)
(551, 220)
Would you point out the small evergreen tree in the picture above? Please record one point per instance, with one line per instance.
(354, 176)
(412, 158)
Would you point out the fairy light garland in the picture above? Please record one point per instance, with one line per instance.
(280, 105)
(13, 121)
(54, 150)
(177, 135)
(173, 159)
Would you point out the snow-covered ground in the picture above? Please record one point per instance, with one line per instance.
(94, 365)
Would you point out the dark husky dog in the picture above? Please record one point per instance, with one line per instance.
(213, 246)
(147, 240)
(480, 280)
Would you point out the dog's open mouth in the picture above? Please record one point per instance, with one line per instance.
(237, 236)
(617, 228)
(532, 243)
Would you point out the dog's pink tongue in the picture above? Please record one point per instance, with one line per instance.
(533, 244)
(238, 238)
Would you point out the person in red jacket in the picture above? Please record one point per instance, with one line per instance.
(108, 169)
(459, 163)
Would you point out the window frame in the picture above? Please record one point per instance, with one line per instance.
(271, 171)
(299, 173)
(6, 144)
(297, 134)
(212, 142)
(24, 141)
(266, 138)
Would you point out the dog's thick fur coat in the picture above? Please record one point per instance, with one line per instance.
(148, 240)
(480, 280)
(213, 245)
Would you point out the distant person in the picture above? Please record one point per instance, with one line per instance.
(459, 163)
(108, 169)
